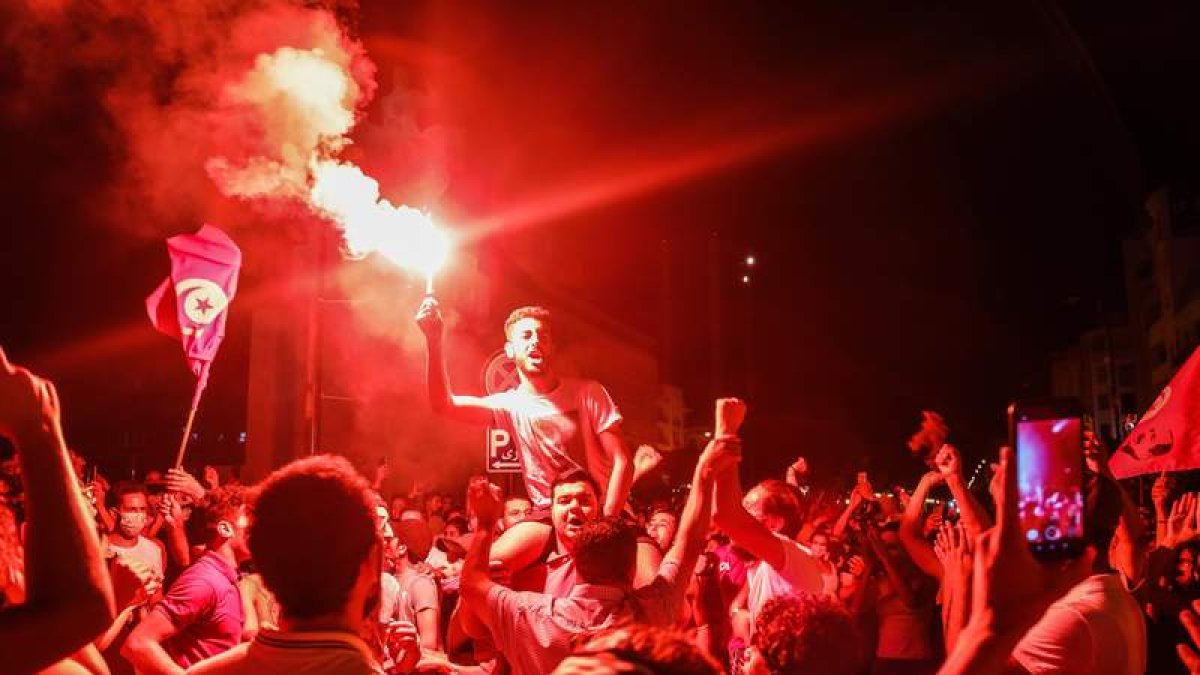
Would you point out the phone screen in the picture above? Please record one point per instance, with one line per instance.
(1050, 484)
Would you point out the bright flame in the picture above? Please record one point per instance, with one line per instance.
(402, 234)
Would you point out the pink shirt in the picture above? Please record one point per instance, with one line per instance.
(205, 606)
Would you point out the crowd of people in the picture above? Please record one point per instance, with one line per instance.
(315, 570)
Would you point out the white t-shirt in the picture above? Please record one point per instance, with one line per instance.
(800, 573)
(389, 597)
(282, 653)
(145, 551)
(1095, 628)
(558, 432)
(401, 598)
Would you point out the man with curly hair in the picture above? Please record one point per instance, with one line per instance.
(201, 614)
(314, 539)
(804, 634)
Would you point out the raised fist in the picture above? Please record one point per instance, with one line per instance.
(731, 412)
(483, 500)
(645, 458)
(948, 461)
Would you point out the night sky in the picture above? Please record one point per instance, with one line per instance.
(934, 193)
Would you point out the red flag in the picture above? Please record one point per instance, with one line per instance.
(191, 304)
(1168, 436)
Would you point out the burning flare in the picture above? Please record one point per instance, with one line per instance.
(405, 236)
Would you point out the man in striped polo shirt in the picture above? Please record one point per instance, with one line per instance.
(314, 540)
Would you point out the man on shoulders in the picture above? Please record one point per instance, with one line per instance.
(534, 631)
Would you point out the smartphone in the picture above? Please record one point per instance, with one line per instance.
(1047, 442)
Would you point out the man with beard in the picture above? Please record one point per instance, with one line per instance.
(559, 424)
(201, 614)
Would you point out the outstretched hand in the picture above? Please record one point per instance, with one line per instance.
(27, 402)
(1183, 525)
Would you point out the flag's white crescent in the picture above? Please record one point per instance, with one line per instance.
(202, 300)
(1159, 403)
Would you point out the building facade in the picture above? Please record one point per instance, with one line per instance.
(1100, 371)
(1162, 281)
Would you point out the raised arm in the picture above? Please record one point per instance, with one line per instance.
(911, 535)
(69, 596)
(732, 517)
(1159, 495)
(971, 513)
(721, 454)
(1011, 590)
(472, 409)
(742, 527)
(621, 478)
(475, 582)
(856, 499)
(176, 539)
(729, 513)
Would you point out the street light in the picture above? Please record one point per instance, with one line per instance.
(749, 261)
(745, 278)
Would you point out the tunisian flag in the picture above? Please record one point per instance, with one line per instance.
(1168, 436)
(191, 304)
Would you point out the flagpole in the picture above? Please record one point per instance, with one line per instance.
(201, 383)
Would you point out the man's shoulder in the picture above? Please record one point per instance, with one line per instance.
(283, 653)
(226, 663)
(507, 601)
(583, 385)
(1099, 594)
